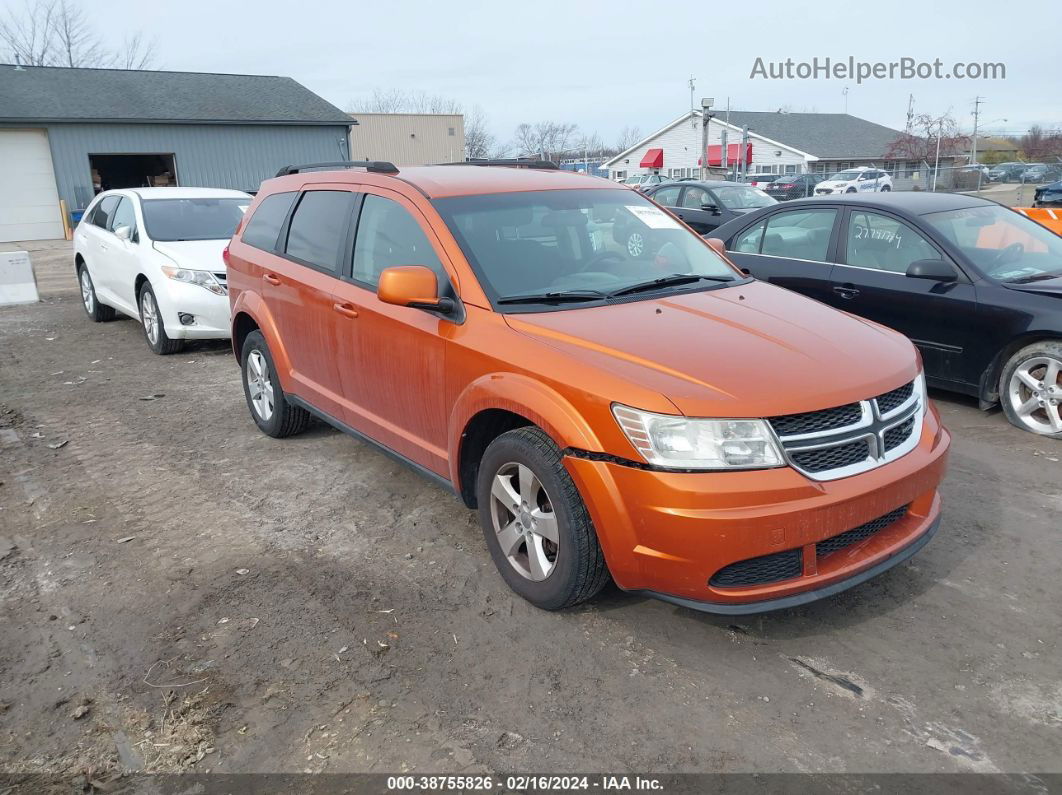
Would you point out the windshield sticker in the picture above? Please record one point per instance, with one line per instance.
(653, 217)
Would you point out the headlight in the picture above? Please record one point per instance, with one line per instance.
(676, 442)
(204, 279)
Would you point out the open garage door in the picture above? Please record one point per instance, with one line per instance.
(29, 201)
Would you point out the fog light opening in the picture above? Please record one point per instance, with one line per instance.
(186, 319)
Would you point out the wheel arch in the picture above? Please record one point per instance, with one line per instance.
(250, 313)
(988, 392)
(500, 402)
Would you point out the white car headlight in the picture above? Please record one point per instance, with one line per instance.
(676, 442)
(204, 279)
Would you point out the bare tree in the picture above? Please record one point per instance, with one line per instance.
(479, 143)
(628, 137)
(395, 100)
(921, 142)
(546, 139)
(1040, 144)
(58, 33)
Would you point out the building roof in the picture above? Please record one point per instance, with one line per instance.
(59, 94)
(824, 136)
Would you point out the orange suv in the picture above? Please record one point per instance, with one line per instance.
(663, 420)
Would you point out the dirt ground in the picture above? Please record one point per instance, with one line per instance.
(179, 592)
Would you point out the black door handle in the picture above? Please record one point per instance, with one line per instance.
(846, 292)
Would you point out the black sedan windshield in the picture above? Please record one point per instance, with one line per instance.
(193, 219)
(1003, 244)
(572, 246)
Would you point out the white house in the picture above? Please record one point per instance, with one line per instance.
(779, 143)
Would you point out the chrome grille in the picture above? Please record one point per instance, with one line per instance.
(846, 440)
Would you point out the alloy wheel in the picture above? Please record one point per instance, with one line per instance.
(1035, 394)
(635, 244)
(149, 313)
(87, 295)
(524, 521)
(259, 385)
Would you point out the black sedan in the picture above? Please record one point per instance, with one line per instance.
(976, 286)
(705, 205)
(796, 186)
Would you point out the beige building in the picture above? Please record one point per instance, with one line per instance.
(408, 139)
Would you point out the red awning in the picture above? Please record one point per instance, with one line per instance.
(733, 154)
(654, 158)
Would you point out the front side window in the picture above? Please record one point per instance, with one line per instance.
(1003, 244)
(318, 230)
(388, 235)
(696, 198)
(748, 242)
(667, 196)
(263, 229)
(883, 243)
(799, 234)
(124, 215)
(193, 219)
(576, 245)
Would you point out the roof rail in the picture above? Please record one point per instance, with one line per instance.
(512, 162)
(375, 166)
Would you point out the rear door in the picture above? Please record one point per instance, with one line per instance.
(791, 248)
(298, 279)
(870, 280)
(395, 365)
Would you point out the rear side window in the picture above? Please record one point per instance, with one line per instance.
(319, 228)
(101, 215)
(263, 229)
(800, 234)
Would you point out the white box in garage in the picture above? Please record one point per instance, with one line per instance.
(18, 285)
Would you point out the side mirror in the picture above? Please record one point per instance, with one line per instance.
(719, 247)
(936, 270)
(412, 285)
(123, 232)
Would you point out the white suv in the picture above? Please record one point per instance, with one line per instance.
(856, 180)
(156, 254)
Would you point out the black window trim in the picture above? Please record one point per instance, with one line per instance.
(275, 250)
(842, 242)
(96, 208)
(281, 250)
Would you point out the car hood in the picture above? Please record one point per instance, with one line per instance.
(751, 350)
(202, 255)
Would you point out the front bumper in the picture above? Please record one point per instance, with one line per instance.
(668, 533)
(211, 311)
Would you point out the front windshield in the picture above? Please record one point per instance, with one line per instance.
(576, 244)
(1003, 244)
(846, 176)
(742, 198)
(169, 220)
(635, 180)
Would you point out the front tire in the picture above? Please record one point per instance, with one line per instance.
(95, 310)
(885, 189)
(1030, 389)
(270, 408)
(536, 524)
(154, 328)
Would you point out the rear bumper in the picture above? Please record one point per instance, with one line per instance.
(668, 533)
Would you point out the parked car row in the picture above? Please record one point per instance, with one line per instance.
(609, 414)
(1025, 172)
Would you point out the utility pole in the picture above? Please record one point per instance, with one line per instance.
(844, 91)
(706, 118)
(693, 88)
(976, 114)
(910, 114)
(724, 159)
(743, 150)
(936, 162)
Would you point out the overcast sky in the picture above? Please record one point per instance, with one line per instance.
(604, 65)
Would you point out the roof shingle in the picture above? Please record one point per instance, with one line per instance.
(58, 94)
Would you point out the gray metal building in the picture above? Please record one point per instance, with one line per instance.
(69, 133)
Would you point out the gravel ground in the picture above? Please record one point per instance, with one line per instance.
(179, 592)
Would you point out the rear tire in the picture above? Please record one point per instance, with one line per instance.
(529, 503)
(1030, 389)
(95, 310)
(154, 327)
(270, 408)
(885, 188)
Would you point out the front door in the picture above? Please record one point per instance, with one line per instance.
(124, 261)
(870, 280)
(700, 209)
(790, 248)
(394, 378)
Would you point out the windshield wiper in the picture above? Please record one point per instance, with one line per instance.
(559, 296)
(674, 280)
(1038, 277)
